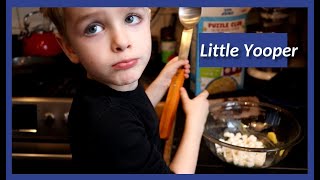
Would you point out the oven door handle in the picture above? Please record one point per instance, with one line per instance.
(41, 156)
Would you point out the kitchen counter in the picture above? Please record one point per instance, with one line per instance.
(287, 90)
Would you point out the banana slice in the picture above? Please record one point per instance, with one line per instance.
(272, 136)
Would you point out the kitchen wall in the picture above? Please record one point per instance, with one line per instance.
(18, 16)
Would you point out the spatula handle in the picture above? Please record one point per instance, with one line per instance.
(173, 97)
(171, 105)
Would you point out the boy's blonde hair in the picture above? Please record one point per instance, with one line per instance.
(56, 15)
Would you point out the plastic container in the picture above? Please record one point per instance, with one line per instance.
(168, 41)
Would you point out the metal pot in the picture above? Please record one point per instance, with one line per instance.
(40, 41)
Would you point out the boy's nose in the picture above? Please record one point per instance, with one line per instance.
(120, 42)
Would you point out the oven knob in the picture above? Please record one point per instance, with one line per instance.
(49, 119)
(66, 115)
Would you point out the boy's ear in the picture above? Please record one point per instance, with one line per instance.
(67, 49)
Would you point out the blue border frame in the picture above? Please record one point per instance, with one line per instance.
(164, 3)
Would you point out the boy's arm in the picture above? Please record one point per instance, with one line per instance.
(197, 109)
(160, 85)
(156, 90)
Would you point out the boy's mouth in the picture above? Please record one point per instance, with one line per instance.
(125, 64)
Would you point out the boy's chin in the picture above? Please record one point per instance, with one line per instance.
(130, 81)
(125, 85)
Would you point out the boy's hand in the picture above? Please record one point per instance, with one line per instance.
(171, 68)
(196, 109)
(160, 85)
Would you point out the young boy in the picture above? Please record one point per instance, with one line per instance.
(114, 127)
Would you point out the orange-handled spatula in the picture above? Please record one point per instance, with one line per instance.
(189, 17)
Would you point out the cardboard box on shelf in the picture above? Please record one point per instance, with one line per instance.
(217, 79)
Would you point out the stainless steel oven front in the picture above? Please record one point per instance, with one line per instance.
(40, 141)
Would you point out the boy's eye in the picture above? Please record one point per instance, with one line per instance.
(93, 29)
(132, 19)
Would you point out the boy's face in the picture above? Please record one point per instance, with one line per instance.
(113, 44)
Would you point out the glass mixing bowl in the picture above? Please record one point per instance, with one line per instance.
(251, 134)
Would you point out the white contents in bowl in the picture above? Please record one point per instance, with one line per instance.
(238, 157)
